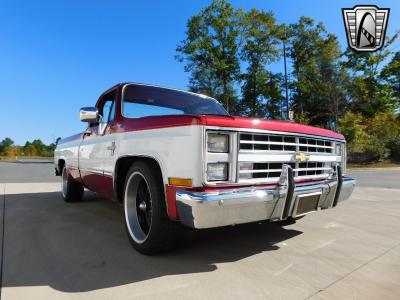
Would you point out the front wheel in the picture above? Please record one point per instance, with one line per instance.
(71, 191)
(149, 229)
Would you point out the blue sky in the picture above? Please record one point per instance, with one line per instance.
(57, 56)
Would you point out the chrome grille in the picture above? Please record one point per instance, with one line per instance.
(312, 168)
(249, 170)
(261, 157)
(269, 142)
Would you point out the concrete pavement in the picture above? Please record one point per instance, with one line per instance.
(55, 250)
(379, 178)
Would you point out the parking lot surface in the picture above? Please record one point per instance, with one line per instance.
(57, 250)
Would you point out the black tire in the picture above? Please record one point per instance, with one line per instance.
(149, 229)
(71, 191)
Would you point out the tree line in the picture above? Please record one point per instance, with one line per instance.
(230, 52)
(34, 148)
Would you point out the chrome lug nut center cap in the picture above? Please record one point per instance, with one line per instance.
(142, 206)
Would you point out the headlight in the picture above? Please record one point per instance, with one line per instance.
(217, 171)
(218, 143)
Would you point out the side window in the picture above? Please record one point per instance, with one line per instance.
(108, 111)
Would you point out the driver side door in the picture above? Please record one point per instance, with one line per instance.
(96, 150)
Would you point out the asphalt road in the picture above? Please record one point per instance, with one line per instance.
(55, 250)
(27, 171)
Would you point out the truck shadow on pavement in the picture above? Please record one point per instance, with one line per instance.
(80, 247)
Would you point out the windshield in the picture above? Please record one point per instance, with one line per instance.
(143, 101)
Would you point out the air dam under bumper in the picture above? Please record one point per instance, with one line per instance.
(250, 204)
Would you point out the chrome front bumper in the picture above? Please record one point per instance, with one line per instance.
(250, 204)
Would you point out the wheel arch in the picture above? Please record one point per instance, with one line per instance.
(122, 166)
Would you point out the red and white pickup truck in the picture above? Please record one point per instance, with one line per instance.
(177, 158)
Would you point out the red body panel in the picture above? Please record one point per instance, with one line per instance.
(146, 123)
(285, 126)
(170, 193)
(98, 183)
(155, 122)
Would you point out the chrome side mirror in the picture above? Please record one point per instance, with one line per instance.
(89, 114)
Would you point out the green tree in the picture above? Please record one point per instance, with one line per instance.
(391, 75)
(371, 139)
(369, 93)
(210, 51)
(34, 148)
(318, 76)
(273, 93)
(261, 93)
(5, 144)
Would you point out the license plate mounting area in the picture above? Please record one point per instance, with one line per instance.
(306, 203)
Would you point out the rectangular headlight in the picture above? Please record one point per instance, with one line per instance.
(218, 143)
(217, 171)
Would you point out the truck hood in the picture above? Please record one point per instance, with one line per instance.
(263, 124)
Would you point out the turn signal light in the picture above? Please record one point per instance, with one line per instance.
(180, 181)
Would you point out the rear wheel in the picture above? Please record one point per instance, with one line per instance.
(71, 191)
(149, 229)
